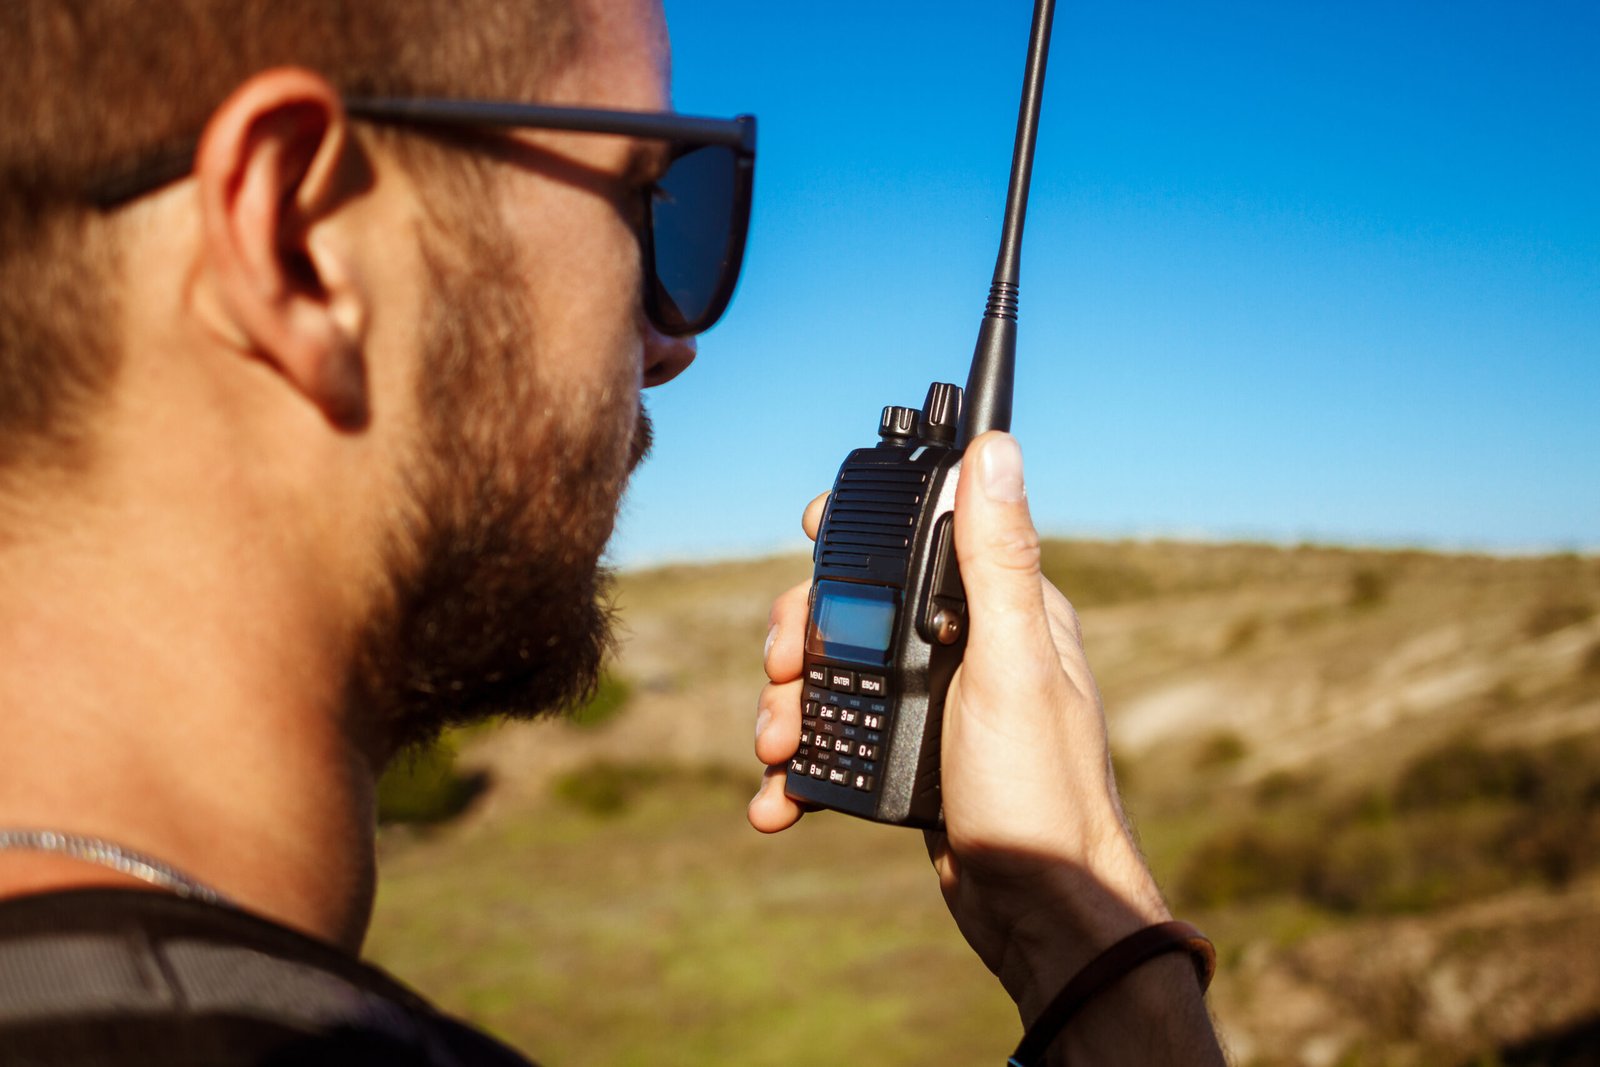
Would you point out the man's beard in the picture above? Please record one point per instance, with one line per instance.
(499, 605)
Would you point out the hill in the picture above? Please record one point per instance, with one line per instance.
(1373, 777)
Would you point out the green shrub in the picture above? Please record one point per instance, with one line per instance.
(1463, 821)
(1360, 870)
(1368, 588)
(608, 788)
(1279, 787)
(1463, 771)
(1554, 845)
(1244, 864)
(1222, 749)
(610, 698)
(423, 786)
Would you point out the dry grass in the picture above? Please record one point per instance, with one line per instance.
(1379, 758)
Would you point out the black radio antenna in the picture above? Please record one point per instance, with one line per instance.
(987, 404)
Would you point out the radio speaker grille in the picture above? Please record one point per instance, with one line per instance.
(871, 516)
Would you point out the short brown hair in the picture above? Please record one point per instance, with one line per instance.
(92, 85)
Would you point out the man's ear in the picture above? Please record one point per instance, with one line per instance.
(275, 164)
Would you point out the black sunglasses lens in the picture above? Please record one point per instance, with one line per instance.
(694, 238)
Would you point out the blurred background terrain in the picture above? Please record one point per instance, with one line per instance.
(1373, 777)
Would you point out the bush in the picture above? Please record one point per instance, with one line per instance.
(608, 788)
(1358, 871)
(1554, 846)
(611, 695)
(1463, 821)
(1222, 749)
(1244, 864)
(1463, 771)
(1281, 786)
(422, 786)
(1368, 588)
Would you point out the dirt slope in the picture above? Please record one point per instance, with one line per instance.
(1282, 718)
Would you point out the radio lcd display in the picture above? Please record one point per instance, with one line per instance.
(853, 622)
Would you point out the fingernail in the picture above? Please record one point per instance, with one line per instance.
(762, 718)
(772, 635)
(1001, 470)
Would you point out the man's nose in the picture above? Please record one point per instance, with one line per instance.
(665, 357)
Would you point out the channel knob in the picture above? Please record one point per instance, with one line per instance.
(941, 412)
(898, 426)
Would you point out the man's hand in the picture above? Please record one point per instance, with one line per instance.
(1036, 862)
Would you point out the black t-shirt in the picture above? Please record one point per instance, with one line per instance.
(128, 978)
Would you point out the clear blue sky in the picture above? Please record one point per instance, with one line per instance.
(1293, 271)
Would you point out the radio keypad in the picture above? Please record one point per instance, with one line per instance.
(845, 714)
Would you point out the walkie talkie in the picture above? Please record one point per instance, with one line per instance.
(888, 622)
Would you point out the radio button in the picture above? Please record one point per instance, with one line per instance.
(843, 681)
(816, 674)
(870, 685)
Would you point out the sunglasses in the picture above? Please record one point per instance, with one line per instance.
(694, 218)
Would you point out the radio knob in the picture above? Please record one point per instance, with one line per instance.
(941, 412)
(898, 426)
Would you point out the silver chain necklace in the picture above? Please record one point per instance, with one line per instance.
(107, 854)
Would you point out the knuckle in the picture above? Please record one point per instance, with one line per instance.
(1016, 549)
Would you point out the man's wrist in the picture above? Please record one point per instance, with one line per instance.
(1076, 917)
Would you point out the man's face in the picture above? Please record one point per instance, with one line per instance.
(535, 349)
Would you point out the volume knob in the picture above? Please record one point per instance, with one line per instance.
(941, 412)
(898, 426)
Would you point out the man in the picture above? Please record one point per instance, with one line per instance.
(309, 445)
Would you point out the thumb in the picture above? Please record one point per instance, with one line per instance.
(998, 550)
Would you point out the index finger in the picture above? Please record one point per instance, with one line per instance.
(811, 521)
